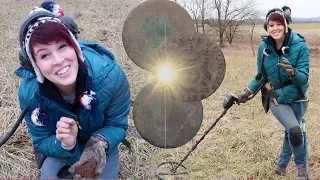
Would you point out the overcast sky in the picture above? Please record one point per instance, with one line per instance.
(300, 8)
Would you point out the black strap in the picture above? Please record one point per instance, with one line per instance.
(263, 71)
(282, 85)
(302, 96)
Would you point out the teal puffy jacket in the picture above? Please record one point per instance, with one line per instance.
(108, 118)
(299, 58)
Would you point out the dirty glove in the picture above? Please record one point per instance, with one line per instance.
(243, 97)
(93, 159)
(287, 67)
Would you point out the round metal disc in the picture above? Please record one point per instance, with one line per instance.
(149, 24)
(165, 122)
(198, 64)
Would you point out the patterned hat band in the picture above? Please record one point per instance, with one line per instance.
(34, 26)
(276, 12)
(282, 15)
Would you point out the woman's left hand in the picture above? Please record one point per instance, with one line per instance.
(287, 67)
(93, 154)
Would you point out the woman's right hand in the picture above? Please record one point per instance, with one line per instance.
(67, 131)
(243, 96)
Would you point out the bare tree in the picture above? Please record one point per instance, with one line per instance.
(230, 14)
(202, 16)
(182, 3)
(199, 11)
(194, 8)
(251, 37)
(246, 14)
(232, 29)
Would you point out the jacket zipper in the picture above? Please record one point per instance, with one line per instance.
(279, 75)
(278, 62)
(77, 121)
(278, 70)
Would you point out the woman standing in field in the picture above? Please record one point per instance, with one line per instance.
(78, 98)
(283, 59)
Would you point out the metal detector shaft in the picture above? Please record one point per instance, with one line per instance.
(263, 81)
(202, 137)
(14, 128)
(305, 144)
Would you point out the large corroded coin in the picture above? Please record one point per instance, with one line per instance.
(165, 122)
(198, 64)
(149, 24)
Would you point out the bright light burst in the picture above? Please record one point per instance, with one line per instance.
(165, 73)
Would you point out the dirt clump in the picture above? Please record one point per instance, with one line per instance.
(87, 169)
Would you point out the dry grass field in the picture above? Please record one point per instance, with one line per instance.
(245, 143)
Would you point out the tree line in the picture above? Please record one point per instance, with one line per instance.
(223, 16)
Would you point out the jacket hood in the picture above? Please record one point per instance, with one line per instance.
(24, 73)
(100, 61)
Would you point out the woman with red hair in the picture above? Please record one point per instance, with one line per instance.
(77, 98)
(283, 59)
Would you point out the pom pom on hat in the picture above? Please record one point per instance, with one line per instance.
(40, 117)
(53, 7)
(88, 99)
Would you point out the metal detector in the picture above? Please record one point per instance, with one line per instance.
(159, 36)
(174, 168)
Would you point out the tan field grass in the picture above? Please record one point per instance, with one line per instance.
(304, 26)
(244, 145)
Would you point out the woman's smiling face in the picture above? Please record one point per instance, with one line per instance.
(276, 30)
(58, 62)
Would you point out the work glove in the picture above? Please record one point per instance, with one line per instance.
(243, 96)
(271, 93)
(93, 159)
(287, 67)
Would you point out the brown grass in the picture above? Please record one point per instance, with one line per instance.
(245, 143)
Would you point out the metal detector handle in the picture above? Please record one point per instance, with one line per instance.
(263, 81)
(15, 127)
(229, 100)
(252, 95)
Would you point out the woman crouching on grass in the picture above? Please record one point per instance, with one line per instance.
(283, 58)
(78, 99)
